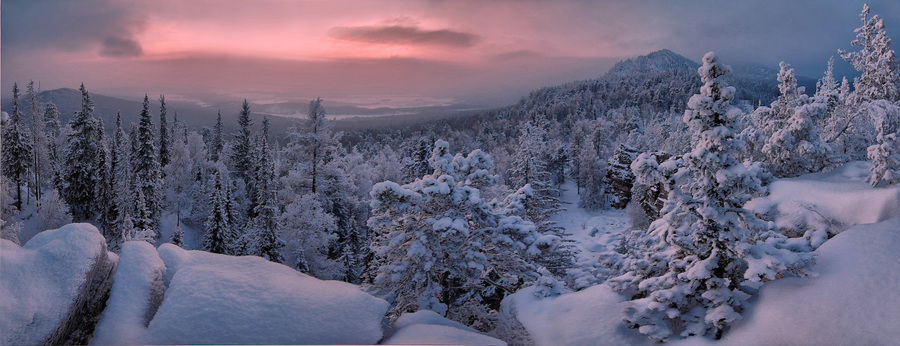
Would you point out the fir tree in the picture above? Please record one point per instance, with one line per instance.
(38, 140)
(217, 140)
(264, 225)
(164, 140)
(242, 147)
(52, 128)
(875, 59)
(686, 273)
(83, 166)
(17, 148)
(147, 171)
(218, 225)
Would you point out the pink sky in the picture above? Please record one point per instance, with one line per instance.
(488, 52)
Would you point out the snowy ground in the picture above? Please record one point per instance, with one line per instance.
(852, 300)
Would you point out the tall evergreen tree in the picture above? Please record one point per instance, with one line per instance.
(875, 59)
(316, 124)
(165, 141)
(147, 171)
(119, 180)
(687, 273)
(217, 140)
(218, 225)
(83, 166)
(52, 129)
(242, 147)
(265, 226)
(17, 148)
(38, 140)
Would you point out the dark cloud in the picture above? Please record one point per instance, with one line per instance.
(121, 47)
(403, 34)
(73, 26)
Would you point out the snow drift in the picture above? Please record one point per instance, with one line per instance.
(218, 299)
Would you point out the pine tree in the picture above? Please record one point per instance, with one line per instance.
(17, 148)
(119, 180)
(218, 226)
(147, 171)
(164, 140)
(177, 236)
(686, 273)
(316, 127)
(438, 246)
(83, 166)
(885, 153)
(875, 59)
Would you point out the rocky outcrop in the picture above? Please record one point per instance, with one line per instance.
(54, 288)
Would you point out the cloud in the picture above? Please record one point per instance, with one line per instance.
(404, 34)
(121, 47)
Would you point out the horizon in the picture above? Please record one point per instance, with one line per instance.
(398, 53)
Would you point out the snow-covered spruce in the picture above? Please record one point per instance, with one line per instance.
(439, 246)
(686, 274)
(885, 153)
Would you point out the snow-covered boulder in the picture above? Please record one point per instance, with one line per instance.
(218, 299)
(589, 317)
(137, 292)
(853, 301)
(52, 289)
(425, 327)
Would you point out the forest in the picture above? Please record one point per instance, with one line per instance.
(456, 214)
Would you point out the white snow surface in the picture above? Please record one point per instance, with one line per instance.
(853, 301)
(426, 327)
(218, 299)
(127, 313)
(40, 280)
(837, 200)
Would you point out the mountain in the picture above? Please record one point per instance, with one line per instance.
(656, 62)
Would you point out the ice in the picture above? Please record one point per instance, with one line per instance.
(428, 328)
(136, 293)
(219, 299)
(41, 281)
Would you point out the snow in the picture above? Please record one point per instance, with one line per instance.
(219, 299)
(136, 292)
(828, 202)
(41, 280)
(426, 327)
(589, 317)
(853, 301)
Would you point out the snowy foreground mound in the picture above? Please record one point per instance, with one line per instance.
(853, 300)
(218, 299)
(52, 289)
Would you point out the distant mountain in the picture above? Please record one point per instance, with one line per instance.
(658, 61)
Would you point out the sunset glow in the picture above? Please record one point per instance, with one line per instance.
(492, 51)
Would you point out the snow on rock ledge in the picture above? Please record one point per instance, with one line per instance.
(218, 299)
(425, 327)
(136, 293)
(52, 289)
(853, 301)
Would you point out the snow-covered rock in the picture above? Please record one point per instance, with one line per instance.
(853, 301)
(218, 299)
(52, 289)
(589, 317)
(425, 327)
(137, 292)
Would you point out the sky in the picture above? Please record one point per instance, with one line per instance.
(397, 52)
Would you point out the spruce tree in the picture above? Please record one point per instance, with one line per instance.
(17, 148)
(242, 147)
(83, 167)
(38, 140)
(147, 171)
(52, 131)
(686, 275)
(164, 140)
(217, 140)
(218, 226)
(265, 226)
